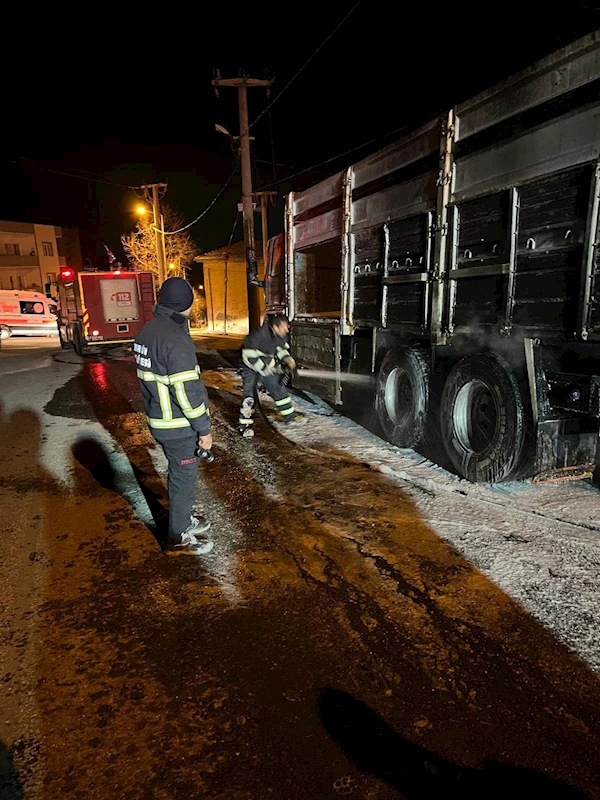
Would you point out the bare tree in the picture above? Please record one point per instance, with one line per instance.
(198, 315)
(140, 245)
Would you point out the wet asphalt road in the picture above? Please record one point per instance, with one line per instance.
(331, 646)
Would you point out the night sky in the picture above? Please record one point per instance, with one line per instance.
(126, 96)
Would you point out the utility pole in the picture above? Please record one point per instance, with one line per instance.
(242, 84)
(159, 225)
(264, 200)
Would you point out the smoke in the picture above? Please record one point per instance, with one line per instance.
(329, 375)
(482, 338)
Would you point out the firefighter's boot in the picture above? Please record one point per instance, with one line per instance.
(246, 420)
(295, 419)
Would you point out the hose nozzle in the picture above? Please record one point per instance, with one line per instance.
(205, 455)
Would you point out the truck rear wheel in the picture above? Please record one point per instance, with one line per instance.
(5, 332)
(483, 420)
(78, 340)
(403, 396)
(63, 343)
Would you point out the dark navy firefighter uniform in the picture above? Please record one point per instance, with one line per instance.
(176, 405)
(263, 354)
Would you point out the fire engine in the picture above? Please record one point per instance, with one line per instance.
(97, 309)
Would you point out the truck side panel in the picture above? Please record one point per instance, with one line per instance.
(556, 146)
(394, 195)
(570, 68)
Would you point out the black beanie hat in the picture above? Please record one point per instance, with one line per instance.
(176, 293)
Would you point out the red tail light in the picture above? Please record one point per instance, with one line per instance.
(66, 273)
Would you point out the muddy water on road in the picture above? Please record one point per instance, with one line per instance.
(332, 645)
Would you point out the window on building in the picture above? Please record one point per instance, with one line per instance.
(51, 277)
(48, 249)
(13, 249)
(12, 282)
(20, 282)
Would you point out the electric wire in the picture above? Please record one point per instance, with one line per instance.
(338, 156)
(303, 67)
(82, 177)
(206, 210)
(237, 216)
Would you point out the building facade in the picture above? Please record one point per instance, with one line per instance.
(29, 255)
(226, 289)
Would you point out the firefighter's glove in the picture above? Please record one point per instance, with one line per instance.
(287, 376)
(289, 364)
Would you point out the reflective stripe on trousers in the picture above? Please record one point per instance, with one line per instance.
(279, 393)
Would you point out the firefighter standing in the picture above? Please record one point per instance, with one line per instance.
(266, 358)
(176, 406)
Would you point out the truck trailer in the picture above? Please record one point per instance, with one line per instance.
(459, 268)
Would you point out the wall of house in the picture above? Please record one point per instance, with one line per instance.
(227, 312)
(20, 278)
(30, 265)
(49, 263)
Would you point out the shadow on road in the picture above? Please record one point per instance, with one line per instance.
(10, 785)
(339, 582)
(484, 679)
(93, 456)
(110, 403)
(376, 748)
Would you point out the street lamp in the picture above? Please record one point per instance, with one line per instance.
(171, 266)
(159, 232)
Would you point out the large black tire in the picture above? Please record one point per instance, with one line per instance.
(483, 420)
(64, 344)
(78, 340)
(403, 396)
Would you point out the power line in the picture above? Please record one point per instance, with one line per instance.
(208, 208)
(237, 216)
(272, 145)
(303, 67)
(82, 177)
(340, 155)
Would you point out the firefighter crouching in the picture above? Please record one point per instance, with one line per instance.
(266, 359)
(176, 406)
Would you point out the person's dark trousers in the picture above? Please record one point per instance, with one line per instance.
(249, 381)
(249, 384)
(280, 394)
(182, 482)
(272, 384)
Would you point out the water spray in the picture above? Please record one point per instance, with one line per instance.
(328, 375)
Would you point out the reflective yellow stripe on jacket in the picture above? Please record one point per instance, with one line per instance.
(263, 363)
(177, 381)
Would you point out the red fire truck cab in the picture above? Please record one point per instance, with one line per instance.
(102, 308)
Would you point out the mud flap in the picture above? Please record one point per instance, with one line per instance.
(562, 451)
(316, 348)
(565, 474)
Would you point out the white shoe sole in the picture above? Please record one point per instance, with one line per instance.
(202, 549)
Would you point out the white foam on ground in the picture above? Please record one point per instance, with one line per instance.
(540, 544)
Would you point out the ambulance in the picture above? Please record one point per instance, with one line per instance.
(27, 314)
